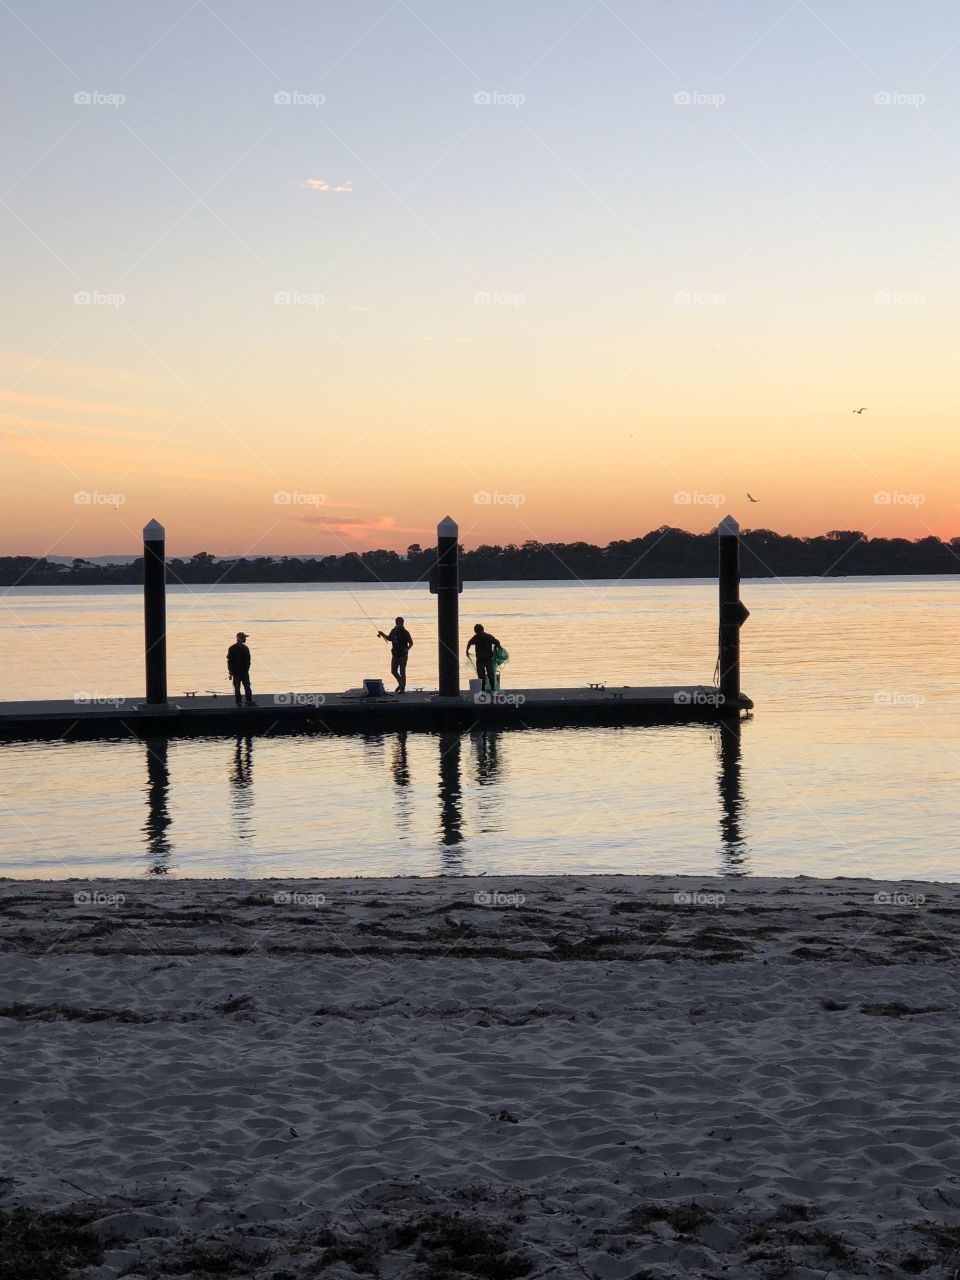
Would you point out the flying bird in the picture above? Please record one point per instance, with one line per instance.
(863, 410)
(752, 498)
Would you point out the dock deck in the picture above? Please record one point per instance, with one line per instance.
(355, 712)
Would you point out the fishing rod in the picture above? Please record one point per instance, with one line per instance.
(363, 611)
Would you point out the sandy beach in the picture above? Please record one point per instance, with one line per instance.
(602, 1076)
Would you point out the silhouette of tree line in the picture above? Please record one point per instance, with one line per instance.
(662, 553)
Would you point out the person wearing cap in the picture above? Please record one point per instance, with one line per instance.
(401, 642)
(238, 668)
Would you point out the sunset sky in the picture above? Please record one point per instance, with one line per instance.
(307, 277)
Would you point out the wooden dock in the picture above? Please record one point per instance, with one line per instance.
(355, 712)
(159, 715)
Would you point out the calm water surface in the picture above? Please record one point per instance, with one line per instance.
(849, 766)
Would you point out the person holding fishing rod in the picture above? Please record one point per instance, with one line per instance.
(401, 642)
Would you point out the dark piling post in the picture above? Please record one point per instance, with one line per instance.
(733, 614)
(155, 612)
(448, 606)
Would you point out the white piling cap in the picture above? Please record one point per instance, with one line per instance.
(447, 528)
(153, 531)
(728, 528)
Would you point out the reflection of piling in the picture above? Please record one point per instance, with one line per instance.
(155, 612)
(731, 797)
(732, 613)
(447, 587)
(451, 815)
(158, 812)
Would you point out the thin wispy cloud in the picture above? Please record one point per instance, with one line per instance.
(102, 452)
(319, 184)
(358, 525)
(34, 400)
(41, 426)
(81, 371)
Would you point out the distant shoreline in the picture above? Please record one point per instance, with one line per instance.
(662, 553)
(367, 584)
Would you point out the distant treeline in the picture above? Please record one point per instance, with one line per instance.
(664, 553)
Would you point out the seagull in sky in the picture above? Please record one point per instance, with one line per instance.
(752, 498)
(863, 410)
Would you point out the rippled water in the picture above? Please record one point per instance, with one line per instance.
(849, 766)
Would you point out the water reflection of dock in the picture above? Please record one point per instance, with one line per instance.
(465, 778)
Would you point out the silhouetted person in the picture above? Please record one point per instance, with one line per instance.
(238, 668)
(401, 642)
(484, 644)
